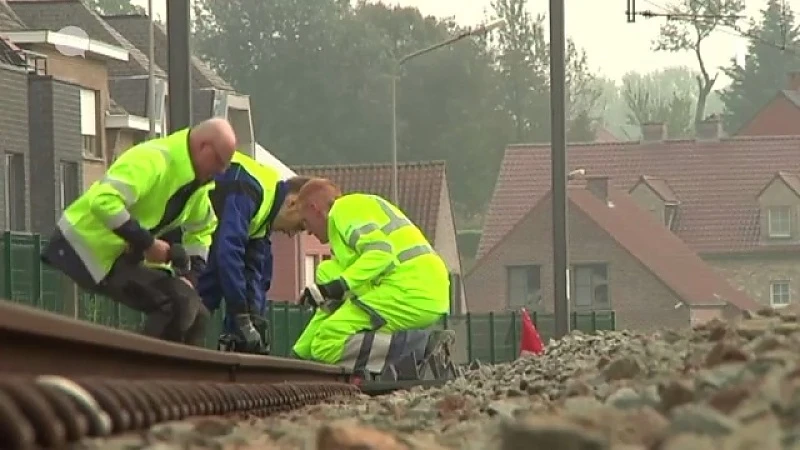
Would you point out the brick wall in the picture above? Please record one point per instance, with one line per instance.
(14, 130)
(754, 274)
(641, 301)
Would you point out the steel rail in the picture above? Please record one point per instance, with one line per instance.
(34, 342)
(62, 380)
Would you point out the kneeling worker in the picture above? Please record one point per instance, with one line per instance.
(251, 201)
(384, 277)
(104, 237)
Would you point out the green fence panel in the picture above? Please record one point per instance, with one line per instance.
(491, 337)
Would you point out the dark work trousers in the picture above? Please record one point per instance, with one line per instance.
(174, 311)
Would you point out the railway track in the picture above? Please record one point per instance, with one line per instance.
(62, 380)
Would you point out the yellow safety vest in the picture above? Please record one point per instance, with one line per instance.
(152, 182)
(377, 244)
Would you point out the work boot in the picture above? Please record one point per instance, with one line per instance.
(438, 353)
(247, 338)
(262, 326)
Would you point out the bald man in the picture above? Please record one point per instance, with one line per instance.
(105, 237)
(380, 291)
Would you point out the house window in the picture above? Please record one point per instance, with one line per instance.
(70, 183)
(779, 221)
(779, 293)
(15, 192)
(524, 286)
(89, 120)
(311, 263)
(590, 285)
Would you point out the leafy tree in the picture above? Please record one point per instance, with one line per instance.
(318, 73)
(705, 16)
(522, 55)
(647, 102)
(114, 7)
(770, 57)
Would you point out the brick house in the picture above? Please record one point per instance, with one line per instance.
(731, 201)
(63, 98)
(618, 251)
(780, 116)
(424, 197)
(212, 95)
(106, 124)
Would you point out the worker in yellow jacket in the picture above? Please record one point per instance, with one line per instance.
(104, 237)
(383, 278)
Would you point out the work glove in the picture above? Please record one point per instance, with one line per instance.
(327, 296)
(247, 337)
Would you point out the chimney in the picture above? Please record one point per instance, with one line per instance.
(654, 131)
(793, 81)
(710, 129)
(598, 185)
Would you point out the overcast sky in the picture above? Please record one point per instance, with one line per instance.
(614, 46)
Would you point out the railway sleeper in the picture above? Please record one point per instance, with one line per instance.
(52, 411)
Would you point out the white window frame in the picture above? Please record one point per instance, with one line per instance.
(63, 165)
(310, 263)
(89, 122)
(777, 291)
(782, 216)
(533, 298)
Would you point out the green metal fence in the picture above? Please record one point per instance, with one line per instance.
(492, 337)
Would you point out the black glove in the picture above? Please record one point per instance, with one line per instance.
(248, 339)
(334, 290)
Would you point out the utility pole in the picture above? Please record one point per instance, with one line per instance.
(179, 55)
(151, 82)
(558, 148)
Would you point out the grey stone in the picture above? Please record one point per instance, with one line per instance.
(701, 419)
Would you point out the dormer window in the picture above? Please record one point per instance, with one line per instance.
(779, 221)
(670, 215)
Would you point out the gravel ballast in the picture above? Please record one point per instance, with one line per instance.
(729, 386)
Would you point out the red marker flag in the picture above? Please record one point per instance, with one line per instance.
(530, 342)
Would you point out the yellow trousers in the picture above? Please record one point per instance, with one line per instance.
(326, 334)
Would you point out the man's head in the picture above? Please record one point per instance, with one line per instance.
(288, 219)
(315, 201)
(212, 144)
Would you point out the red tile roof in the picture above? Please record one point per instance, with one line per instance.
(717, 183)
(660, 187)
(419, 186)
(665, 255)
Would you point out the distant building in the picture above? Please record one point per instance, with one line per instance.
(733, 202)
(780, 116)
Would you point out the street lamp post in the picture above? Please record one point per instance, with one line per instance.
(558, 148)
(481, 30)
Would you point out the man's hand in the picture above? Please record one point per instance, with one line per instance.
(158, 252)
(311, 296)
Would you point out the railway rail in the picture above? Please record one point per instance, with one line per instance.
(62, 380)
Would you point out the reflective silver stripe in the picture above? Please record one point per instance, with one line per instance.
(197, 250)
(407, 255)
(200, 225)
(125, 189)
(79, 245)
(118, 219)
(355, 236)
(378, 247)
(411, 253)
(395, 222)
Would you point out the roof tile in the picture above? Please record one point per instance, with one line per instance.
(661, 252)
(135, 28)
(419, 186)
(715, 181)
